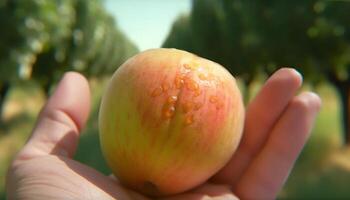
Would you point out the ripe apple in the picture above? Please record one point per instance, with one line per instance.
(169, 120)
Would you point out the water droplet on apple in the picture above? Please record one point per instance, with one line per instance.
(169, 112)
(178, 82)
(191, 85)
(165, 86)
(197, 106)
(197, 92)
(187, 107)
(187, 66)
(189, 119)
(213, 99)
(156, 92)
(172, 99)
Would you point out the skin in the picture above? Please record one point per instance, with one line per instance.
(173, 118)
(277, 126)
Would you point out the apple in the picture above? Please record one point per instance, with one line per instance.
(169, 120)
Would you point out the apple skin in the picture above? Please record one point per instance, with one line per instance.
(169, 120)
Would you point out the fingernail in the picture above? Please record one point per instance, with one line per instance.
(292, 75)
(317, 99)
(297, 73)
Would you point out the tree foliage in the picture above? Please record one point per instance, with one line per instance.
(41, 39)
(250, 37)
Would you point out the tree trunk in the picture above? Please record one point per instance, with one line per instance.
(343, 87)
(47, 86)
(344, 91)
(4, 89)
(247, 90)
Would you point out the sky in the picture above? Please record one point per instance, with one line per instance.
(147, 22)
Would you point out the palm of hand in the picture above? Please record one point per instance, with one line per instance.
(59, 177)
(277, 126)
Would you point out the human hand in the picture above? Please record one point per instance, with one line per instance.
(277, 126)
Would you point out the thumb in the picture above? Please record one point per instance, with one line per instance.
(60, 121)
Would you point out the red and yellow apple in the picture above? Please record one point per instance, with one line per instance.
(169, 120)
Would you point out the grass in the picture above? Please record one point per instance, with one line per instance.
(322, 170)
(318, 173)
(20, 111)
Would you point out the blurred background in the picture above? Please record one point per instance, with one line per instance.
(41, 39)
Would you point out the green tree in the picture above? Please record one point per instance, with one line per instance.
(43, 39)
(250, 37)
(181, 34)
(330, 47)
(28, 28)
(312, 36)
